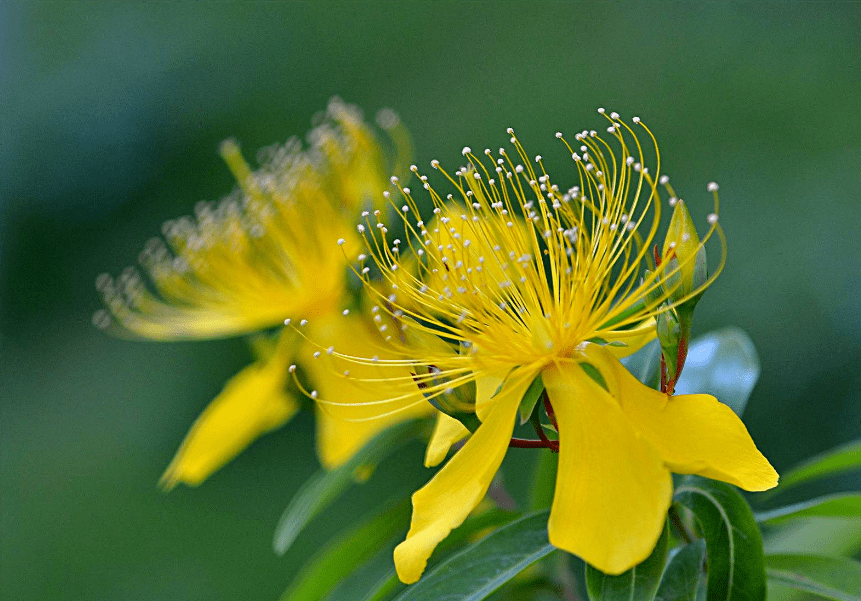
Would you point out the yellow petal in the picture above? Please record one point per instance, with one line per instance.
(695, 433)
(342, 429)
(634, 339)
(612, 488)
(252, 403)
(446, 432)
(485, 389)
(444, 502)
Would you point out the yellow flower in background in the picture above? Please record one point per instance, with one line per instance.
(561, 297)
(262, 254)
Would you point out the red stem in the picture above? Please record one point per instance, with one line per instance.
(527, 443)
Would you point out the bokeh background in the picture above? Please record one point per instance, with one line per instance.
(111, 118)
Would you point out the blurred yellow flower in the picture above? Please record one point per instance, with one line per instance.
(560, 297)
(265, 253)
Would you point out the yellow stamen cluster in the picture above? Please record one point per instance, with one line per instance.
(524, 271)
(265, 251)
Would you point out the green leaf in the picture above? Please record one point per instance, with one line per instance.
(325, 486)
(640, 583)
(736, 569)
(722, 363)
(533, 393)
(685, 577)
(838, 505)
(843, 458)
(645, 363)
(459, 536)
(476, 571)
(830, 577)
(342, 555)
(543, 485)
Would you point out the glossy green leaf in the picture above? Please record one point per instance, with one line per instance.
(342, 555)
(839, 505)
(543, 484)
(471, 528)
(830, 577)
(684, 578)
(843, 458)
(476, 571)
(736, 569)
(530, 398)
(326, 486)
(640, 583)
(724, 364)
(645, 363)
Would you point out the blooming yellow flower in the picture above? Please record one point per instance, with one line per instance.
(263, 254)
(560, 297)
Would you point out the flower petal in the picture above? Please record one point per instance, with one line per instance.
(445, 502)
(252, 403)
(634, 339)
(446, 432)
(695, 433)
(612, 488)
(343, 428)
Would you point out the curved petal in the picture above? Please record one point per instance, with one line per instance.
(344, 426)
(634, 339)
(445, 502)
(485, 389)
(695, 433)
(446, 432)
(612, 488)
(252, 403)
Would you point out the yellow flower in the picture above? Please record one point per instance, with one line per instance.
(243, 265)
(560, 298)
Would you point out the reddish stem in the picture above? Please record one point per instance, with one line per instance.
(527, 443)
(680, 363)
(548, 408)
(663, 373)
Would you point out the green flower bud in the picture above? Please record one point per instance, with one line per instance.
(687, 267)
(669, 335)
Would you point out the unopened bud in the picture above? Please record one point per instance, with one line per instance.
(685, 266)
(669, 335)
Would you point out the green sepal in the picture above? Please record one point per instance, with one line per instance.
(530, 399)
(669, 334)
(640, 583)
(593, 373)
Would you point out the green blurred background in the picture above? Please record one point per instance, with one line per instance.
(111, 118)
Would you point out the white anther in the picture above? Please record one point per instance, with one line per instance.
(341, 241)
(466, 150)
(664, 180)
(601, 110)
(345, 312)
(304, 322)
(314, 393)
(713, 187)
(361, 228)
(316, 354)
(287, 321)
(292, 368)
(712, 218)
(636, 119)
